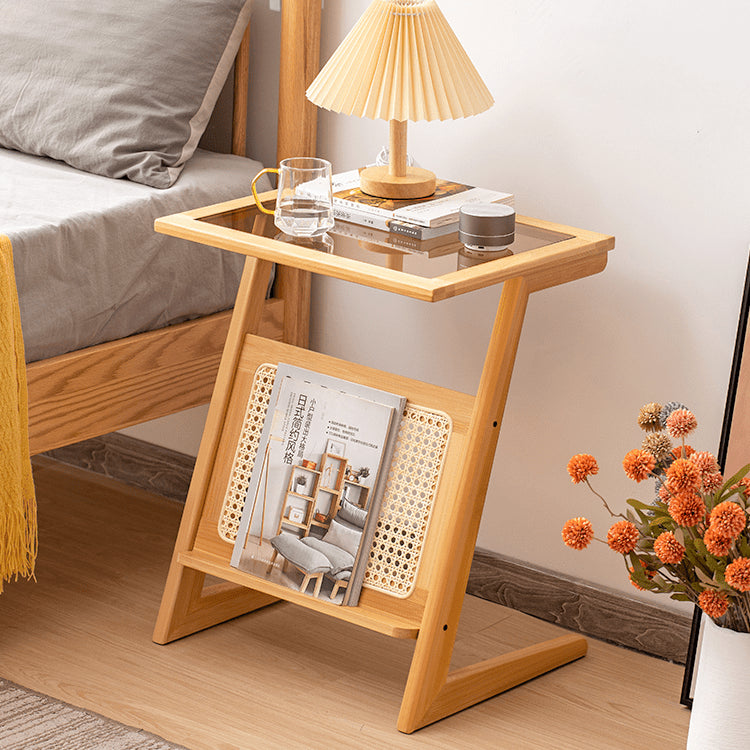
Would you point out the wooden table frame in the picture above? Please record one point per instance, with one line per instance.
(432, 613)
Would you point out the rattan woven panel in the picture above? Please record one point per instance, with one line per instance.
(247, 448)
(408, 499)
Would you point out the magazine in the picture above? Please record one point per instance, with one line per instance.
(316, 486)
(352, 204)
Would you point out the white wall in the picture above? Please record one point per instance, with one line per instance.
(624, 118)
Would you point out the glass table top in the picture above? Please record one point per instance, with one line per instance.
(430, 258)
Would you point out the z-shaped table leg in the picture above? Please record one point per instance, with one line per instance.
(431, 692)
(186, 606)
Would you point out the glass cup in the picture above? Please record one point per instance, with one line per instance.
(304, 201)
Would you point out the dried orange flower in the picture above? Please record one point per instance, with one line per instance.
(683, 451)
(687, 509)
(713, 603)
(712, 482)
(728, 518)
(622, 537)
(681, 422)
(649, 417)
(664, 494)
(668, 408)
(737, 574)
(638, 464)
(679, 539)
(577, 533)
(683, 476)
(668, 549)
(582, 465)
(717, 544)
(705, 461)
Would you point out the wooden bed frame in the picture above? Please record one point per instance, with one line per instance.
(104, 388)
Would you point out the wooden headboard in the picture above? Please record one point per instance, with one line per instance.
(298, 65)
(296, 131)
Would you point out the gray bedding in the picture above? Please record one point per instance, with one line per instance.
(89, 266)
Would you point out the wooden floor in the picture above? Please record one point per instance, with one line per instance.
(283, 677)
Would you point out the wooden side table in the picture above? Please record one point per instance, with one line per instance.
(544, 255)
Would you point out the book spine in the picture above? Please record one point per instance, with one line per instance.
(421, 233)
(445, 210)
(362, 208)
(377, 236)
(354, 216)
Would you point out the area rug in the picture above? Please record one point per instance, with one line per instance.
(32, 721)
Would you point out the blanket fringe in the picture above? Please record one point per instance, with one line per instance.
(18, 522)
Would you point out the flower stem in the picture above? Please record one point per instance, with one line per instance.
(614, 515)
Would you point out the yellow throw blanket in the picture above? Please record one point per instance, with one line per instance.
(18, 535)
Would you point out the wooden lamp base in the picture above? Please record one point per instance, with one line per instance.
(415, 183)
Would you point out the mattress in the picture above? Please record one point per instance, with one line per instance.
(89, 266)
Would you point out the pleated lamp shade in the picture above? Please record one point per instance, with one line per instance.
(400, 62)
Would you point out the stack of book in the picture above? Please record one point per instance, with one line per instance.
(420, 219)
(433, 247)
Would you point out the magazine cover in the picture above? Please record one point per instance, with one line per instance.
(314, 493)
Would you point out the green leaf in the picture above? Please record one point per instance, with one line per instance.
(639, 505)
(734, 479)
(708, 580)
(696, 560)
(658, 525)
(635, 503)
(677, 596)
(716, 565)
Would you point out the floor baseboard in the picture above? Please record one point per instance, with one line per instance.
(135, 462)
(600, 613)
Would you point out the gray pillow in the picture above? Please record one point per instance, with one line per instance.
(341, 536)
(339, 558)
(121, 88)
(352, 514)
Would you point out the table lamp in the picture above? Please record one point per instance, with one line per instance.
(401, 61)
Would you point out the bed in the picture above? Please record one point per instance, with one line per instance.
(137, 352)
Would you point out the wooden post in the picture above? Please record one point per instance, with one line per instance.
(297, 131)
(397, 180)
(300, 20)
(397, 148)
(239, 96)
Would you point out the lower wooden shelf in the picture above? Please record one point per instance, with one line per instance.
(363, 614)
